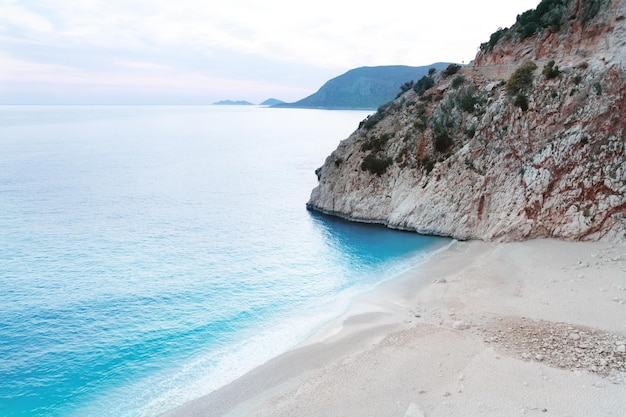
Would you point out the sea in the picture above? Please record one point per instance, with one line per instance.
(152, 254)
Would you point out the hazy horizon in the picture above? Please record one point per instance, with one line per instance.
(191, 52)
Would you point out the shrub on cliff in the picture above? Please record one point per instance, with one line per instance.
(375, 144)
(521, 101)
(405, 87)
(375, 165)
(549, 13)
(493, 39)
(521, 79)
(371, 120)
(423, 84)
(427, 163)
(458, 81)
(467, 101)
(451, 70)
(550, 70)
(443, 142)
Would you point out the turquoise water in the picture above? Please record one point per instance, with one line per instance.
(149, 255)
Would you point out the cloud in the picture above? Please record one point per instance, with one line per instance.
(15, 16)
(265, 42)
(321, 33)
(18, 70)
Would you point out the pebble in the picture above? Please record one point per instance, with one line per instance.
(460, 325)
(560, 345)
(414, 410)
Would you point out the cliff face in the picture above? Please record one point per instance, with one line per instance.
(528, 141)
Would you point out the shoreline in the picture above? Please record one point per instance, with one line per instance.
(481, 329)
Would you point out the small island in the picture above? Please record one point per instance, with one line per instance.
(272, 102)
(232, 103)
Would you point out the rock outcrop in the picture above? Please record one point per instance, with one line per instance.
(528, 141)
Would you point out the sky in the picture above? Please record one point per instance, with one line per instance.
(202, 51)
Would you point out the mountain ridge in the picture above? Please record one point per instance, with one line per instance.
(363, 88)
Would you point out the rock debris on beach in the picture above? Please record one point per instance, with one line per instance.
(560, 345)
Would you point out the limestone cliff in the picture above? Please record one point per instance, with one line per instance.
(527, 141)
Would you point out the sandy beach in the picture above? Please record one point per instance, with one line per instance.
(482, 329)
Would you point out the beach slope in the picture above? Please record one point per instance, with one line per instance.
(483, 329)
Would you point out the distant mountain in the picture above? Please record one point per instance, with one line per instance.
(271, 102)
(233, 103)
(364, 87)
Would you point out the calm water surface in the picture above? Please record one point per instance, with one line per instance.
(149, 254)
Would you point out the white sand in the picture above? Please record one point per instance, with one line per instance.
(484, 329)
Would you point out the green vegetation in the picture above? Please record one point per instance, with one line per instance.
(375, 165)
(549, 13)
(467, 101)
(371, 120)
(441, 124)
(458, 81)
(550, 70)
(427, 163)
(443, 142)
(405, 87)
(521, 101)
(423, 84)
(451, 70)
(521, 79)
(426, 98)
(598, 87)
(493, 39)
(375, 144)
(421, 121)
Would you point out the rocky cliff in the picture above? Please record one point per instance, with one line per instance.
(528, 141)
